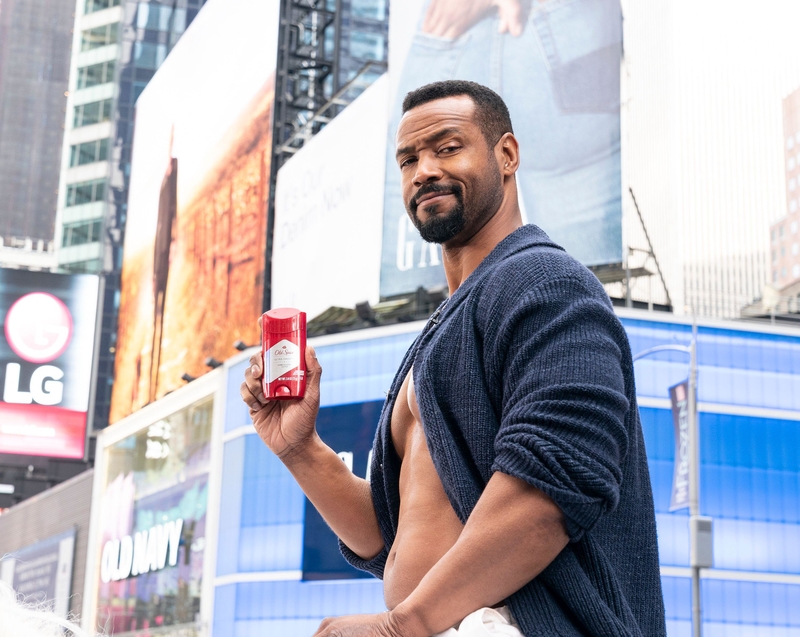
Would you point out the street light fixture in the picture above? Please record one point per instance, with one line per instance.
(700, 527)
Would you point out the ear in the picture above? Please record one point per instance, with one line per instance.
(507, 153)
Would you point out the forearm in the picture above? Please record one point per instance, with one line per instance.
(514, 532)
(343, 500)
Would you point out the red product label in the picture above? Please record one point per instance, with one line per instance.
(283, 347)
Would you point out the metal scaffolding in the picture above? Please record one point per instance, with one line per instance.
(308, 88)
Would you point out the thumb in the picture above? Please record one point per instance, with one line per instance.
(513, 14)
(313, 368)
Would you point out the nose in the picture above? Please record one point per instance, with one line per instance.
(427, 170)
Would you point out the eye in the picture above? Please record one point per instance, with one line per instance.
(449, 149)
(407, 161)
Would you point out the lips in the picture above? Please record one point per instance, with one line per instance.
(432, 195)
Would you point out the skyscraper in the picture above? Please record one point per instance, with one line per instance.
(785, 233)
(35, 39)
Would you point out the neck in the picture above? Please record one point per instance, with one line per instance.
(462, 255)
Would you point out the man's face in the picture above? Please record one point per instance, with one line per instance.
(450, 178)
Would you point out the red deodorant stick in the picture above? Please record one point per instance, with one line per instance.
(283, 350)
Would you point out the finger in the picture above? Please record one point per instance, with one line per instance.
(253, 383)
(512, 16)
(313, 366)
(255, 365)
(249, 399)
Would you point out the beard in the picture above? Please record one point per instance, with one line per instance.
(440, 227)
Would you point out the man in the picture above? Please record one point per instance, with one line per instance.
(509, 466)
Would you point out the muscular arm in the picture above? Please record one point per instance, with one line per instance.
(514, 532)
(343, 500)
(287, 427)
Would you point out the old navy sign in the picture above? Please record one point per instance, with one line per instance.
(145, 552)
(679, 396)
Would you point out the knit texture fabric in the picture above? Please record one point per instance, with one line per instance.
(528, 371)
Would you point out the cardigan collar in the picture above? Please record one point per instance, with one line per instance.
(522, 238)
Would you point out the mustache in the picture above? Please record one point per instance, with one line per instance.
(454, 189)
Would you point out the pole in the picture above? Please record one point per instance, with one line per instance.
(694, 483)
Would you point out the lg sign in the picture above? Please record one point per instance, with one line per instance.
(38, 329)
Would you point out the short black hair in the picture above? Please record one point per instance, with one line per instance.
(491, 112)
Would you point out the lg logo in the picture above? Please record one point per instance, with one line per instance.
(38, 329)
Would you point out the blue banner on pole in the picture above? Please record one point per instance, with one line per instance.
(679, 397)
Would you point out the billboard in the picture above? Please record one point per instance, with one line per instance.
(42, 572)
(556, 63)
(327, 210)
(192, 276)
(152, 525)
(46, 353)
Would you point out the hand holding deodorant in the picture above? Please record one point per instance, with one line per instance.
(283, 350)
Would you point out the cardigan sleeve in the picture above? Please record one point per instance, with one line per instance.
(559, 356)
(375, 566)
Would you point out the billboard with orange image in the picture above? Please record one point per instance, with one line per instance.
(192, 278)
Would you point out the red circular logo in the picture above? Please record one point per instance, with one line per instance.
(38, 327)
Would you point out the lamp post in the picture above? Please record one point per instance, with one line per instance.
(700, 528)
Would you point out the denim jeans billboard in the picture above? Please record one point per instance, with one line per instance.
(559, 75)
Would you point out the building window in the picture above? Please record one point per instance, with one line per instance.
(88, 152)
(95, 74)
(86, 192)
(99, 36)
(774, 276)
(147, 55)
(92, 113)
(793, 227)
(793, 205)
(796, 270)
(371, 9)
(790, 163)
(795, 248)
(783, 273)
(774, 255)
(98, 5)
(76, 234)
(780, 231)
(90, 266)
(160, 18)
(783, 251)
(367, 46)
(774, 235)
(790, 143)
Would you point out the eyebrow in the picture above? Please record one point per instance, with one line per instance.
(435, 137)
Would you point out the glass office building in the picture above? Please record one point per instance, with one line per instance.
(278, 572)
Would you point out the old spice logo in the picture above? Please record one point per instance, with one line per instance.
(283, 351)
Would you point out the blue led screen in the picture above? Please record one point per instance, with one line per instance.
(749, 393)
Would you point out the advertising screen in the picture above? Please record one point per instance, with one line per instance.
(152, 527)
(46, 353)
(42, 572)
(556, 64)
(192, 278)
(328, 203)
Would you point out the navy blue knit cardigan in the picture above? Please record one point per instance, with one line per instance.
(526, 370)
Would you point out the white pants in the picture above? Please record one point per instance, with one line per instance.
(486, 622)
